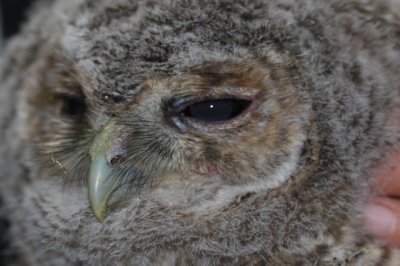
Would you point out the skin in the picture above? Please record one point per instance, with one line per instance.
(382, 217)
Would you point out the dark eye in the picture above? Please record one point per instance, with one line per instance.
(72, 106)
(216, 110)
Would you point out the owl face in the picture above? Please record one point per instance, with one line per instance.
(128, 111)
(223, 123)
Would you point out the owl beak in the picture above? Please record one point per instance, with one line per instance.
(101, 183)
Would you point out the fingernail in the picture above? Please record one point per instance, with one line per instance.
(380, 221)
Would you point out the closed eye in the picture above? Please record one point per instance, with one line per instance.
(71, 106)
(216, 110)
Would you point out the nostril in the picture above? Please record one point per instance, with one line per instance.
(116, 160)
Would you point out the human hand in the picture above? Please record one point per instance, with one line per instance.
(382, 217)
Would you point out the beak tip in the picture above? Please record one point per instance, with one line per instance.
(100, 218)
(99, 213)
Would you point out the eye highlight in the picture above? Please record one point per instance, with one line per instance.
(216, 110)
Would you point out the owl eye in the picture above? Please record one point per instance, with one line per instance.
(216, 110)
(72, 107)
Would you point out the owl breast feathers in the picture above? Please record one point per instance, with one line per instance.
(183, 132)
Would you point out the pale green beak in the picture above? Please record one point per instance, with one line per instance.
(101, 183)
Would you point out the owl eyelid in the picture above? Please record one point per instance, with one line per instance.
(64, 92)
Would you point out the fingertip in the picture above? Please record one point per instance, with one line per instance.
(382, 219)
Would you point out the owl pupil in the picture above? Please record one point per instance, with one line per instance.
(216, 110)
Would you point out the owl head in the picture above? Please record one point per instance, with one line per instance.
(160, 103)
(186, 120)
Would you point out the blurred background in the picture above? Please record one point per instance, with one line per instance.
(12, 14)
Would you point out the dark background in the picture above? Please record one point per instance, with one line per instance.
(13, 12)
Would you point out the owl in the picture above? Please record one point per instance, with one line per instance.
(197, 132)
